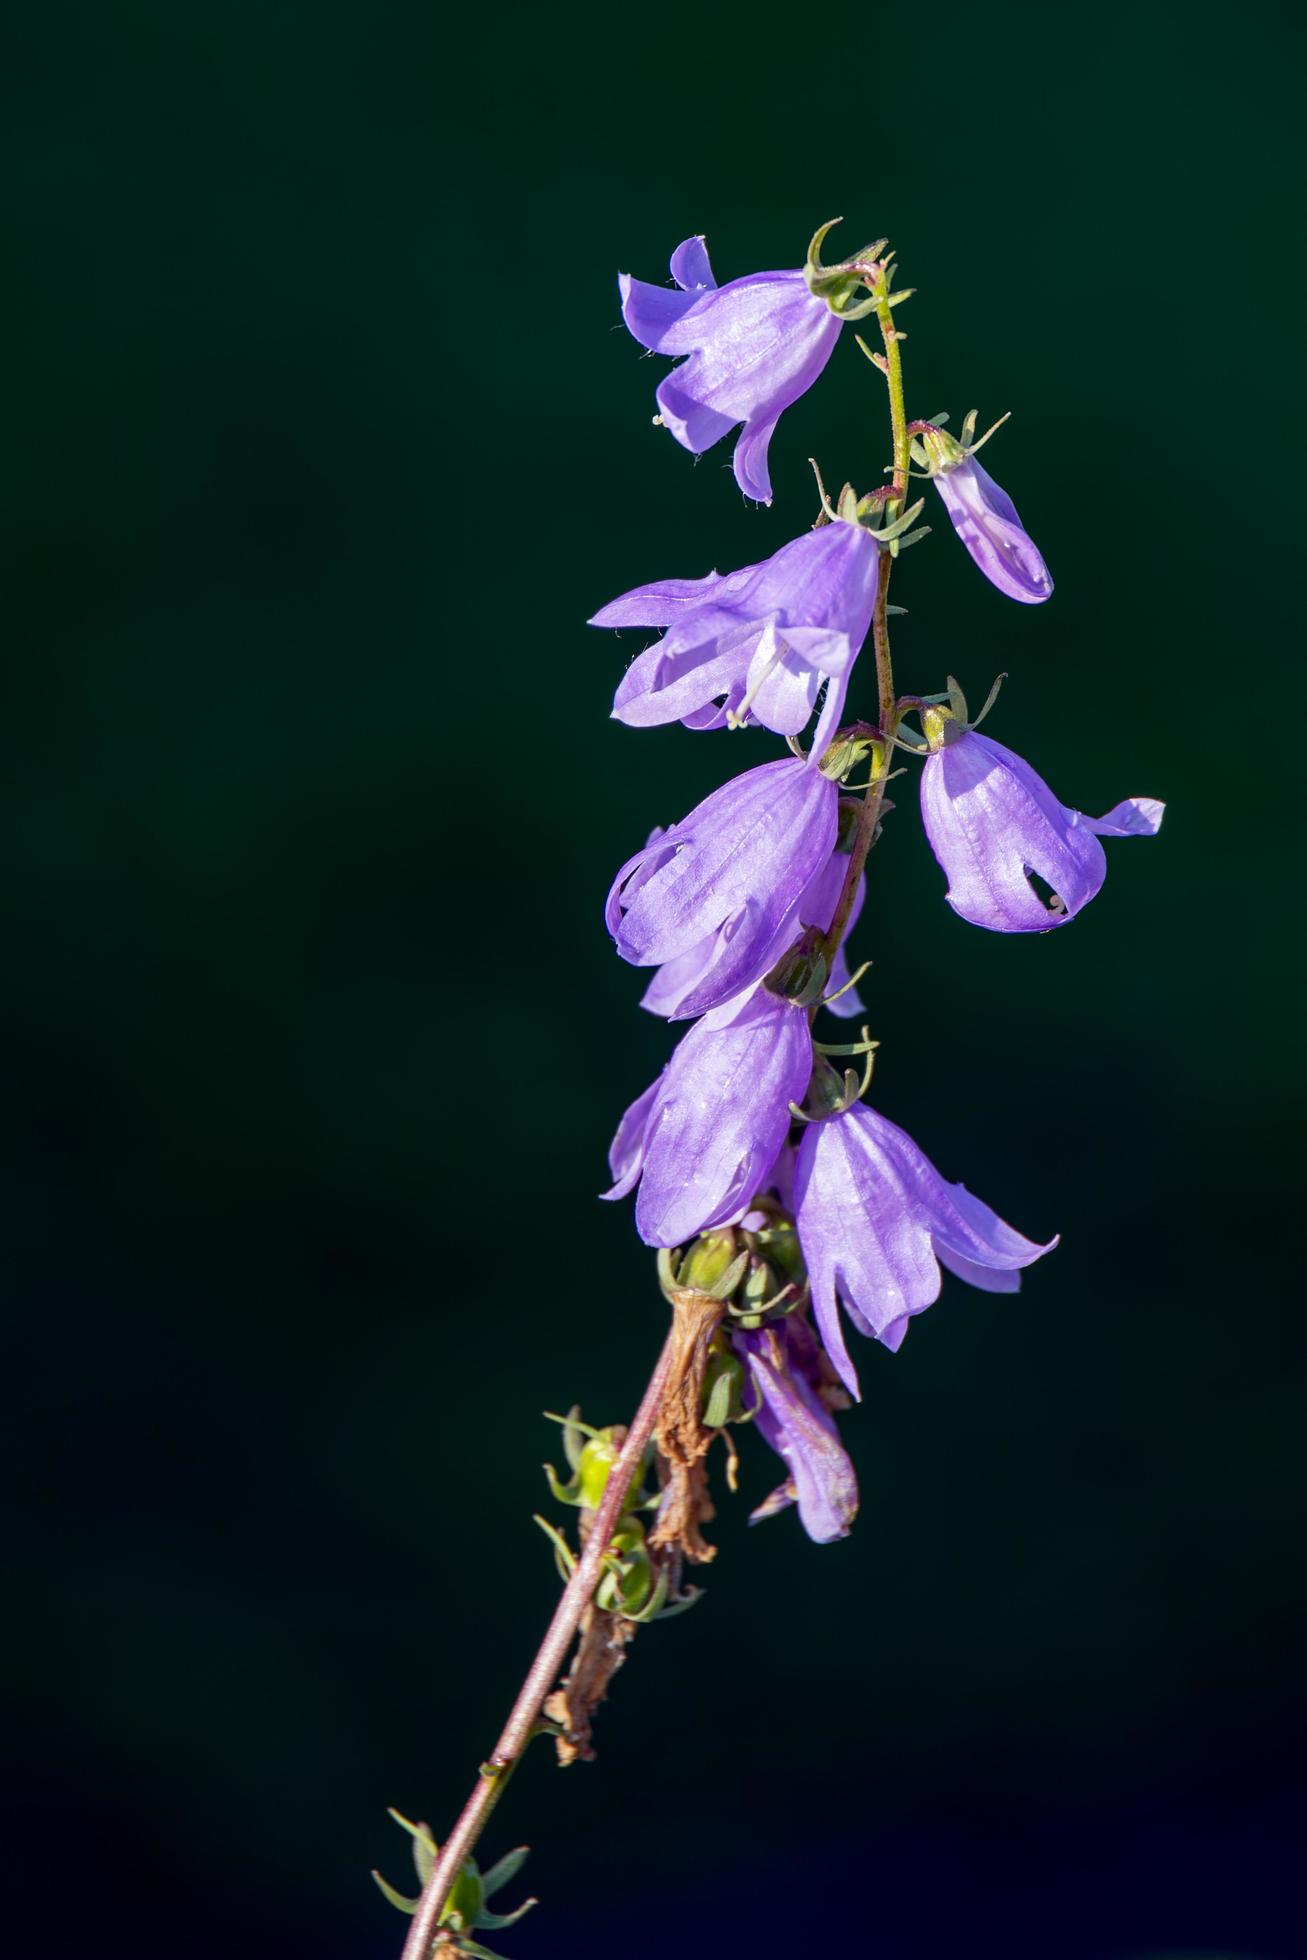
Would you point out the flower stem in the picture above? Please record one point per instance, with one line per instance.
(543, 1672)
(894, 376)
(869, 815)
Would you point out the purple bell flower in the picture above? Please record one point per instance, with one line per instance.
(795, 1389)
(720, 884)
(755, 645)
(676, 986)
(754, 347)
(985, 518)
(705, 1137)
(992, 821)
(876, 1220)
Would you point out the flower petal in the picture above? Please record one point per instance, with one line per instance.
(985, 518)
(627, 1150)
(651, 312)
(1138, 816)
(991, 820)
(690, 267)
(802, 1431)
(721, 1116)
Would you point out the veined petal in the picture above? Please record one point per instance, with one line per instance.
(749, 461)
(968, 1231)
(745, 853)
(627, 1150)
(696, 424)
(1138, 816)
(864, 1240)
(986, 520)
(668, 600)
(991, 820)
(793, 1419)
(690, 267)
(669, 683)
(650, 312)
(721, 1117)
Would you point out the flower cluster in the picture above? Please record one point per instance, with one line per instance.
(743, 906)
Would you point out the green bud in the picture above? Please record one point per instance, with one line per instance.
(465, 1899)
(779, 1245)
(847, 751)
(940, 726)
(942, 451)
(800, 975)
(597, 1459)
(708, 1261)
(723, 1383)
(627, 1585)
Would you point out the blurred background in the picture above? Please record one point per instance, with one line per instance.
(322, 440)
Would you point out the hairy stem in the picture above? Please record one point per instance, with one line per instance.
(543, 1672)
(869, 815)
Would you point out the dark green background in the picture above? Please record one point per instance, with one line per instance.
(321, 440)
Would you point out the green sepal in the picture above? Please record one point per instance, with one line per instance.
(394, 1898)
(504, 1870)
(493, 1921)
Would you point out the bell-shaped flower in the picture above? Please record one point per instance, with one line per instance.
(985, 517)
(756, 645)
(722, 882)
(876, 1221)
(706, 1136)
(680, 988)
(993, 824)
(795, 1390)
(754, 346)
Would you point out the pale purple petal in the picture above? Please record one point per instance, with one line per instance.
(690, 267)
(721, 1116)
(651, 312)
(795, 1422)
(683, 678)
(757, 644)
(816, 907)
(1138, 816)
(986, 520)
(626, 1152)
(991, 820)
(729, 873)
(865, 1242)
(750, 459)
(753, 346)
(875, 1218)
(670, 599)
(696, 424)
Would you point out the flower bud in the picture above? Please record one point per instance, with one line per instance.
(723, 1381)
(597, 1458)
(800, 976)
(466, 1898)
(708, 1261)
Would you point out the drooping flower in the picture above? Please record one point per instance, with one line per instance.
(985, 518)
(754, 347)
(755, 645)
(705, 1137)
(876, 1220)
(723, 881)
(795, 1390)
(992, 821)
(675, 989)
